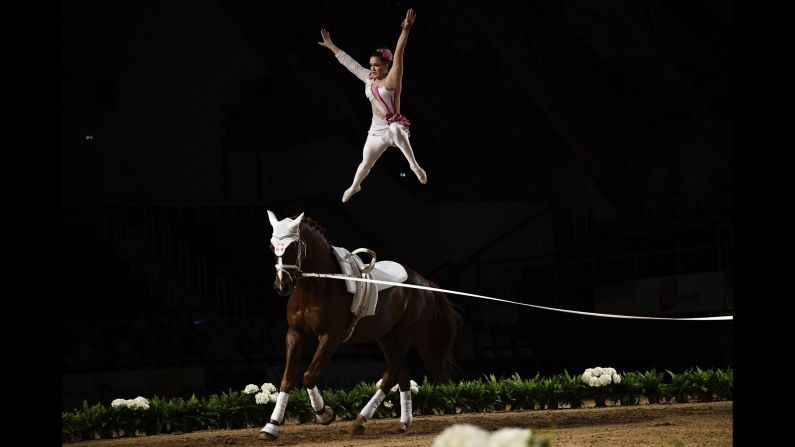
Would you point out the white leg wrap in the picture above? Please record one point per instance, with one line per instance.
(405, 407)
(278, 409)
(314, 397)
(371, 406)
(277, 415)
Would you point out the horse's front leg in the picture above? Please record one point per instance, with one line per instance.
(327, 346)
(294, 342)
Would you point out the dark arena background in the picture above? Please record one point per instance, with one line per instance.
(579, 156)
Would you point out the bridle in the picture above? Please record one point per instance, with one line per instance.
(282, 268)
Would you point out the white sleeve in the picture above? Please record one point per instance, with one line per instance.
(353, 66)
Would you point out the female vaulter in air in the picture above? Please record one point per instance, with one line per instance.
(383, 83)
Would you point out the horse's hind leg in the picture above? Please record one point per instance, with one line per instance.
(404, 381)
(326, 348)
(394, 345)
(294, 342)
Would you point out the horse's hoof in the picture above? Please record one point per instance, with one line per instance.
(403, 427)
(265, 436)
(269, 432)
(326, 416)
(358, 425)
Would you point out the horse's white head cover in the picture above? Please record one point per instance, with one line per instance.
(285, 232)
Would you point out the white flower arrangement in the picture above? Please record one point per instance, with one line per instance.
(139, 403)
(267, 394)
(264, 397)
(462, 435)
(467, 435)
(598, 377)
(251, 389)
(413, 386)
(510, 437)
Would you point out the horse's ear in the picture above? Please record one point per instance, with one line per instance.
(272, 218)
(297, 220)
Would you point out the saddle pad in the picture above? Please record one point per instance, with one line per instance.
(365, 295)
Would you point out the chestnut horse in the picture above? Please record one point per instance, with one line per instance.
(320, 308)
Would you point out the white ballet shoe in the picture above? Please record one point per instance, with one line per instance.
(421, 175)
(350, 192)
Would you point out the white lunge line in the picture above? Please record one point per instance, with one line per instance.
(554, 309)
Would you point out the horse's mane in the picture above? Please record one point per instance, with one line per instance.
(311, 223)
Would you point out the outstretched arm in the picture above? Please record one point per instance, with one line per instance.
(395, 75)
(352, 66)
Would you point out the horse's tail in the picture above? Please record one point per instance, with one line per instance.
(436, 345)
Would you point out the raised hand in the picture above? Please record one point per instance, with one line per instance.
(326, 39)
(409, 20)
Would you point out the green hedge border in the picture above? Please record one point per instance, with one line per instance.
(234, 409)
